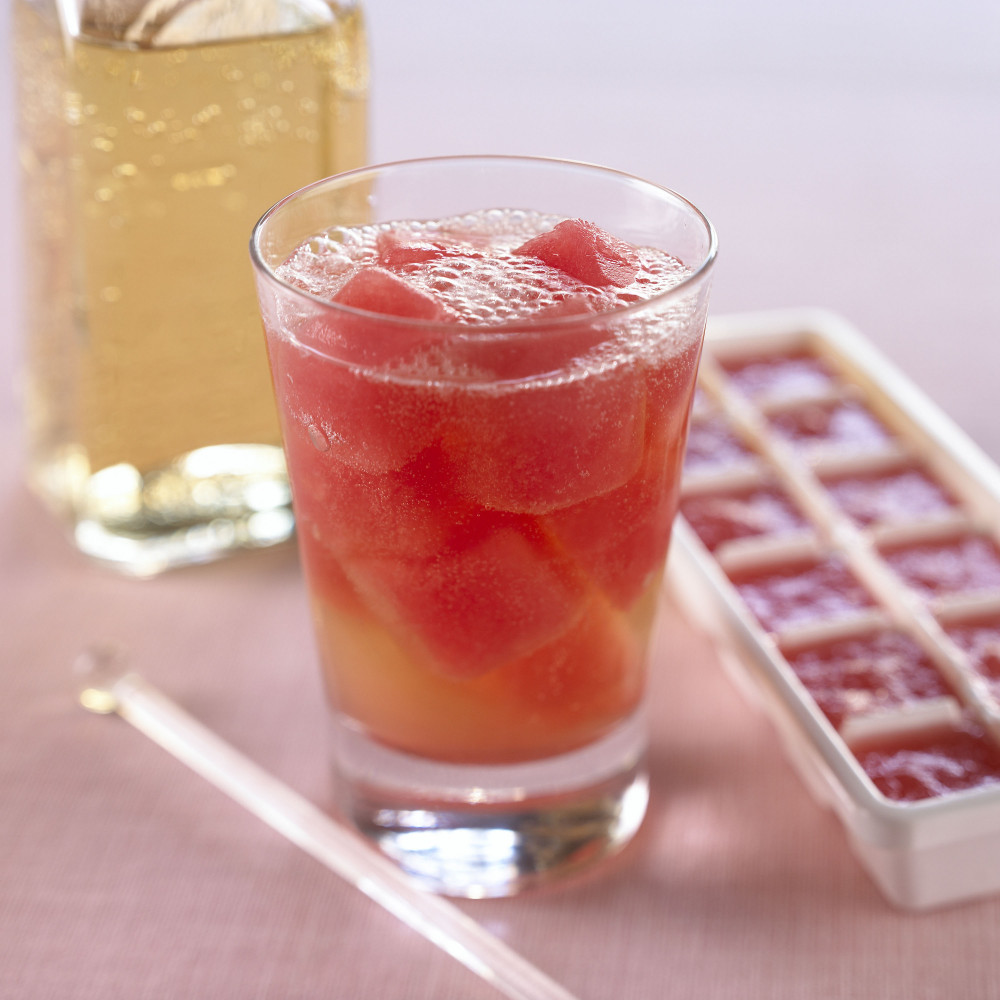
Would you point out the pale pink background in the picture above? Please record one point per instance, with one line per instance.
(849, 155)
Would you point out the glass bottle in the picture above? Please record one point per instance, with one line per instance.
(153, 134)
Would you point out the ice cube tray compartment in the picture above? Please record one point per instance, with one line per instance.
(840, 535)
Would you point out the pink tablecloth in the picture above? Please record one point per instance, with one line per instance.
(123, 874)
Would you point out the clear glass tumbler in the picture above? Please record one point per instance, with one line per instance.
(484, 506)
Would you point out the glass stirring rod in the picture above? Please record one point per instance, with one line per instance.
(105, 688)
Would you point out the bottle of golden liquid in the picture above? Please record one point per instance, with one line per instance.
(153, 134)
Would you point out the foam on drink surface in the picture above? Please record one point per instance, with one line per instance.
(482, 282)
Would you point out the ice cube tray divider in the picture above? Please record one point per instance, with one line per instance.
(842, 537)
(924, 853)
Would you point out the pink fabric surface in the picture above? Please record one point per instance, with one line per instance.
(125, 875)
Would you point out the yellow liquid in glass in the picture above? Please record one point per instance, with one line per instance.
(144, 171)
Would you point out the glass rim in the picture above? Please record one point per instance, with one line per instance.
(487, 330)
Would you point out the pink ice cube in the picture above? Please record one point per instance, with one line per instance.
(931, 764)
(846, 426)
(854, 677)
(903, 494)
(497, 593)
(980, 639)
(789, 376)
(953, 566)
(712, 445)
(721, 517)
(801, 593)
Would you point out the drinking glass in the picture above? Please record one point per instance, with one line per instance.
(483, 512)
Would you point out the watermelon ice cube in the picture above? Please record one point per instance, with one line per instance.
(780, 377)
(535, 446)
(844, 425)
(933, 763)
(387, 319)
(801, 593)
(586, 679)
(712, 445)
(377, 290)
(585, 251)
(934, 568)
(898, 495)
(861, 675)
(979, 638)
(556, 341)
(618, 539)
(553, 700)
(331, 409)
(491, 597)
(722, 517)
(396, 250)
(411, 512)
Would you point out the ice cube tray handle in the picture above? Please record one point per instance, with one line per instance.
(105, 688)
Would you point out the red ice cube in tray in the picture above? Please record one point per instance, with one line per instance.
(898, 495)
(801, 593)
(844, 425)
(936, 762)
(712, 445)
(721, 517)
(777, 377)
(937, 568)
(979, 638)
(860, 675)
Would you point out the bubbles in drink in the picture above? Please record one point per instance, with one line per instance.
(468, 262)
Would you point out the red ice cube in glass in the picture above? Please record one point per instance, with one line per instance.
(377, 290)
(371, 423)
(712, 445)
(722, 517)
(857, 676)
(556, 341)
(412, 512)
(534, 447)
(386, 320)
(899, 495)
(780, 377)
(586, 252)
(842, 425)
(801, 593)
(936, 568)
(493, 596)
(396, 250)
(593, 669)
(931, 764)
(617, 540)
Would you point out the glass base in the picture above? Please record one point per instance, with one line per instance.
(207, 504)
(481, 831)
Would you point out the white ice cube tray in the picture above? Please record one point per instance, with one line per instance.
(942, 848)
